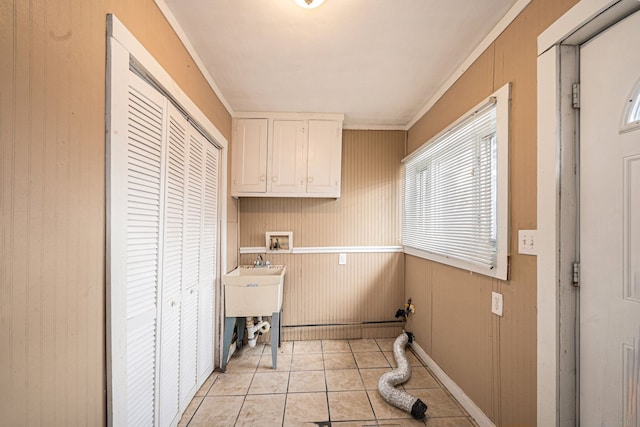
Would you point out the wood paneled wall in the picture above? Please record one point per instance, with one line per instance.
(492, 359)
(317, 289)
(52, 198)
(367, 214)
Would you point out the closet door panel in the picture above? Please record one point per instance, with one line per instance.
(193, 213)
(141, 364)
(169, 375)
(194, 186)
(208, 263)
(188, 346)
(205, 334)
(174, 205)
(144, 187)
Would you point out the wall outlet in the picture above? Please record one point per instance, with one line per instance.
(527, 242)
(342, 259)
(496, 303)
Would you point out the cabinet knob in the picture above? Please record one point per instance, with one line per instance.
(310, 179)
(173, 303)
(262, 177)
(274, 179)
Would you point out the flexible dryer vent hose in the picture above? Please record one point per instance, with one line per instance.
(388, 381)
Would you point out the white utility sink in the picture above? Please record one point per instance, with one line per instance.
(253, 291)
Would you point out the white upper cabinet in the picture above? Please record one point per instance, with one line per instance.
(288, 157)
(324, 158)
(304, 154)
(249, 154)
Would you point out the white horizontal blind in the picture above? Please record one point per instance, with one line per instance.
(450, 192)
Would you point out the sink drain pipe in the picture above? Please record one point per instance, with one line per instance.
(386, 385)
(255, 329)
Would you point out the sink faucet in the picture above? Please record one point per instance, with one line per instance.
(260, 263)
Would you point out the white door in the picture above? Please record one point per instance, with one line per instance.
(609, 229)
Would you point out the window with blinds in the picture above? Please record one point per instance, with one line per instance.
(455, 208)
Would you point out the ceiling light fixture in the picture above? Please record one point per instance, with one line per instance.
(309, 4)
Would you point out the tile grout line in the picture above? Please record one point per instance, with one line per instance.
(326, 386)
(203, 397)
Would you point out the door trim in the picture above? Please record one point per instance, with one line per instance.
(557, 401)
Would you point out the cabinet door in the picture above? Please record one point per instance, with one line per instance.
(249, 152)
(324, 158)
(288, 157)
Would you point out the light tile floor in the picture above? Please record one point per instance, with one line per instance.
(330, 383)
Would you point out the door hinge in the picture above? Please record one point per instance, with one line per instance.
(575, 95)
(576, 274)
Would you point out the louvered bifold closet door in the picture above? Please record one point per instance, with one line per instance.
(162, 256)
(208, 256)
(137, 241)
(177, 134)
(191, 268)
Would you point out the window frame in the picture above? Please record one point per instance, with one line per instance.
(631, 114)
(501, 97)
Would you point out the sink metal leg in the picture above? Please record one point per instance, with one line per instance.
(280, 329)
(229, 323)
(275, 339)
(241, 323)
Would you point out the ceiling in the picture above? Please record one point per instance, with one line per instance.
(377, 61)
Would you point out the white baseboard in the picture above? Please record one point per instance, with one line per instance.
(461, 397)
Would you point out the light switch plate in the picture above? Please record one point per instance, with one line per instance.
(496, 303)
(527, 242)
